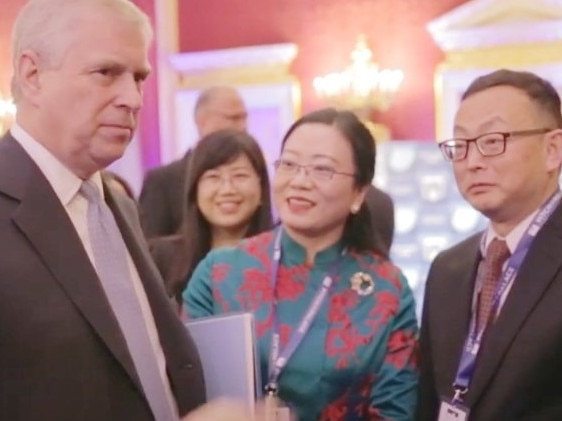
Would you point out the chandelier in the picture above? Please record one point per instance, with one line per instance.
(363, 85)
(7, 113)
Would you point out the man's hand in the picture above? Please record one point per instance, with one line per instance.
(224, 410)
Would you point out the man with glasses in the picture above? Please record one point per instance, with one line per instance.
(491, 333)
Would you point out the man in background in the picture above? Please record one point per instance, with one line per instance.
(86, 330)
(491, 331)
(162, 198)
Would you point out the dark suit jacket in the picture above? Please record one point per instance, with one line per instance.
(164, 252)
(381, 209)
(62, 355)
(518, 375)
(163, 197)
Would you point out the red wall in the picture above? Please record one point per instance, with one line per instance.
(7, 16)
(325, 32)
(149, 127)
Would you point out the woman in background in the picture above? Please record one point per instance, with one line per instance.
(228, 198)
(335, 320)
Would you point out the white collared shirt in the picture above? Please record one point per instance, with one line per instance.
(66, 185)
(515, 235)
(512, 240)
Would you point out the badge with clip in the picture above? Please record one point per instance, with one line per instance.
(452, 409)
(275, 409)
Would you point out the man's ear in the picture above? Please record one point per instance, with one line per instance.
(554, 150)
(201, 118)
(28, 75)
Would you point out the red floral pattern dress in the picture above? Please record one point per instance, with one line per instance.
(358, 359)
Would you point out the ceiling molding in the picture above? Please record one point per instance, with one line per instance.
(490, 23)
(262, 55)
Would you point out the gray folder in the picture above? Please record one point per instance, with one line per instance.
(228, 351)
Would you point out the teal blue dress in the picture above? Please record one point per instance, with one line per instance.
(358, 359)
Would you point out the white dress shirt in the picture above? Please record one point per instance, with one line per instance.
(512, 240)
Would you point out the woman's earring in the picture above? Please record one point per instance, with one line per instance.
(354, 209)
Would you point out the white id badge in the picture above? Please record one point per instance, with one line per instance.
(271, 404)
(284, 413)
(275, 410)
(449, 411)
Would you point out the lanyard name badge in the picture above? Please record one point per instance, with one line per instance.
(454, 410)
(275, 410)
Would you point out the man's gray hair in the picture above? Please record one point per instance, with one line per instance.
(42, 26)
(208, 95)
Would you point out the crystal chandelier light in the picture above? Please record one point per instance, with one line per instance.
(363, 84)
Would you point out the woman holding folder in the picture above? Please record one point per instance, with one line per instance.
(336, 328)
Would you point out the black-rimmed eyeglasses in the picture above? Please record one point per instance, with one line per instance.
(488, 144)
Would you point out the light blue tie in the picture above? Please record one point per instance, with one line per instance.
(109, 251)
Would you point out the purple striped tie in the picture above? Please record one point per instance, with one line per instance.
(109, 252)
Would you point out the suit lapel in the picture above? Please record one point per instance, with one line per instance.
(455, 301)
(61, 250)
(535, 276)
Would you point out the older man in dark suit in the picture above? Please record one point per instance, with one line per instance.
(86, 330)
(491, 341)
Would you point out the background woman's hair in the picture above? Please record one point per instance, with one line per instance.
(216, 149)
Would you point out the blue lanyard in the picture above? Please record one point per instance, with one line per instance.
(474, 338)
(278, 360)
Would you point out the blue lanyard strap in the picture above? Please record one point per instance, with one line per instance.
(278, 360)
(474, 338)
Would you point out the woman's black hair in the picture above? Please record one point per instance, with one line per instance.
(358, 232)
(216, 149)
